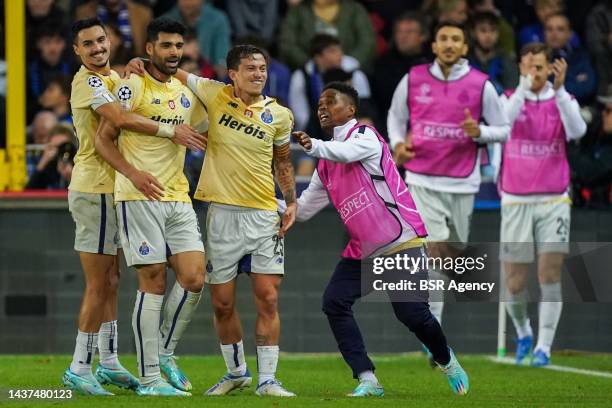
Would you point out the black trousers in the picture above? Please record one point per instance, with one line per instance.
(344, 288)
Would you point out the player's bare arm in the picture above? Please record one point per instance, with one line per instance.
(106, 147)
(285, 177)
(181, 134)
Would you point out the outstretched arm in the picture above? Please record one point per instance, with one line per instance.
(283, 168)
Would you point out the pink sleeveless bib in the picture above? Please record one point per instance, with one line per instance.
(534, 158)
(437, 108)
(375, 209)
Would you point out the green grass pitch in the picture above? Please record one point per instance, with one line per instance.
(323, 380)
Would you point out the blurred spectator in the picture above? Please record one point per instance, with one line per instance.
(40, 129)
(39, 13)
(52, 61)
(388, 10)
(599, 41)
(409, 48)
(307, 83)
(580, 80)
(131, 17)
(506, 32)
(535, 32)
(279, 75)
(191, 50)
(592, 163)
(345, 19)
(486, 55)
(212, 29)
(455, 11)
(56, 98)
(253, 17)
(189, 65)
(119, 53)
(58, 155)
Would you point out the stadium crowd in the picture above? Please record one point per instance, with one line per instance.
(370, 44)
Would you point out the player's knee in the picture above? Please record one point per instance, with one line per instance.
(193, 283)
(96, 291)
(224, 308)
(332, 305)
(267, 303)
(113, 282)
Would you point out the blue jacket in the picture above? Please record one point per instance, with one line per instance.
(580, 79)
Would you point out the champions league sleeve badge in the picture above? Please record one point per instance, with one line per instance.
(124, 93)
(266, 116)
(94, 82)
(185, 101)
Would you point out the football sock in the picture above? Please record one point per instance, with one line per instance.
(84, 352)
(108, 339)
(517, 309)
(267, 360)
(233, 354)
(549, 315)
(178, 311)
(145, 323)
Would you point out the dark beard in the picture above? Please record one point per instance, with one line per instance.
(163, 69)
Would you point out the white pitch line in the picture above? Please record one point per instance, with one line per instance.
(508, 360)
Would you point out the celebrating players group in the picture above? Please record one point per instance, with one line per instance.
(129, 195)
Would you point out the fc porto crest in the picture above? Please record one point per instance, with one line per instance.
(266, 116)
(248, 113)
(144, 249)
(185, 101)
(171, 104)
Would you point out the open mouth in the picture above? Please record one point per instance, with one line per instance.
(172, 63)
(323, 117)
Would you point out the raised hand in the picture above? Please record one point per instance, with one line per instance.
(135, 66)
(559, 68)
(469, 125)
(303, 139)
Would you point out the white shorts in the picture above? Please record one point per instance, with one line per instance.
(240, 239)
(447, 216)
(152, 231)
(546, 224)
(96, 222)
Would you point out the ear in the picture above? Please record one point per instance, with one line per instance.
(353, 110)
(231, 74)
(75, 49)
(149, 48)
(434, 48)
(464, 49)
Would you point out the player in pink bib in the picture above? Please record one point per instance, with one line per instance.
(357, 174)
(440, 115)
(534, 185)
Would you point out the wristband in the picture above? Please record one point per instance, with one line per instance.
(165, 130)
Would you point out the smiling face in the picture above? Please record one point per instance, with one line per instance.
(251, 75)
(449, 45)
(335, 109)
(93, 46)
(166, 52)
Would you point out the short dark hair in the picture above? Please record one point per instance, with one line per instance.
(241, 51)
(63, 81)
(80, 25)
(537, 48)
(443, 24)
(346, 90)
(164, 25)
(49, 30)
(412, 16)
(485, 17)
(320, 42)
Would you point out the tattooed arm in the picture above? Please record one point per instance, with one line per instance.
(286, 181)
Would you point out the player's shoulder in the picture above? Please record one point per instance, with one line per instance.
(88, 79)
(281, 112)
